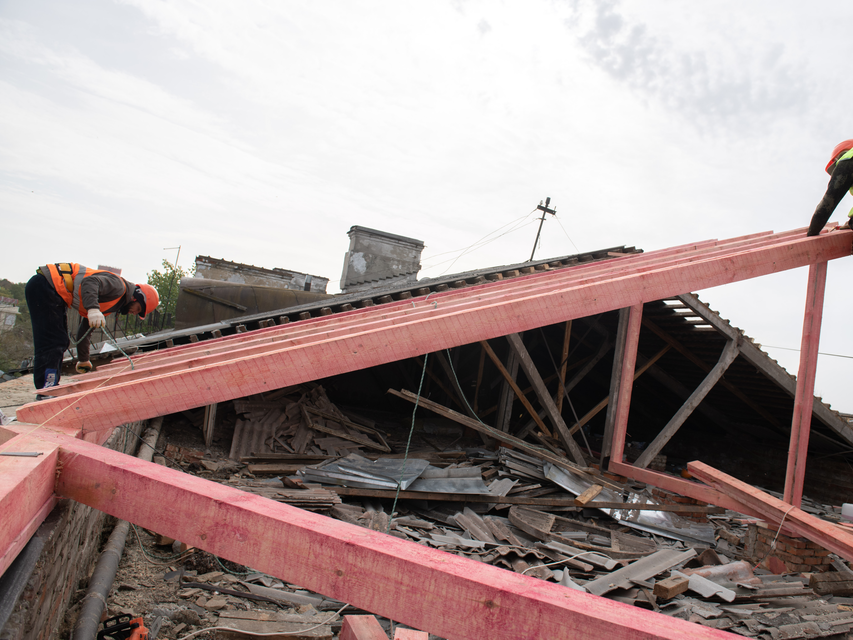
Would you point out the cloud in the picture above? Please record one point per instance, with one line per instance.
(731, 81)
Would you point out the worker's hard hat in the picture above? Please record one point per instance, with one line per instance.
(841, 147)
(146, 295)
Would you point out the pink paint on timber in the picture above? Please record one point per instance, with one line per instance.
(626, 383)
(804, 398)
(410, 634)
(362, 628)
(682, 487)
(773, 510)
(212, 351)
(428, 330)
(26, 487)
(424, 588)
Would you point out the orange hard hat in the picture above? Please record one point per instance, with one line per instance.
(147, 296)
(841, 147)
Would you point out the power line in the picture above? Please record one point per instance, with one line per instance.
(822, 353)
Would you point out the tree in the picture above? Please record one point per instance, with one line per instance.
(16, 344)
(166, 282)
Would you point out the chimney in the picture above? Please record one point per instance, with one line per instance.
(379, 259)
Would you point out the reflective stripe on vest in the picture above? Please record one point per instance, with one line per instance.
(67, 279)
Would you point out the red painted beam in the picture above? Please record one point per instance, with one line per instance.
(423, 330)
(424, 588)
(26, 493)
(804, 399)
(626, 382)
(776, 512)
(187, 356)
(682, 487)
(362, 628)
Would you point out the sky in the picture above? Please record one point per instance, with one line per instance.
(260, 132)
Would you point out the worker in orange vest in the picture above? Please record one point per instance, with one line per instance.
(93, 293)
(840, 169)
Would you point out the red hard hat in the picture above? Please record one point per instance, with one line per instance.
(147, 296)
(842, 147)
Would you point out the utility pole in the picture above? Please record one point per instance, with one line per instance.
(544, 209)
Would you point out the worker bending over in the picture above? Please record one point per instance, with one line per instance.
(91, 292)
(840, 169)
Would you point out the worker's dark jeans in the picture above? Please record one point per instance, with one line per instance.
(839, 184)
(50, 330)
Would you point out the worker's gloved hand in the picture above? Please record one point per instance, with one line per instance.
(96, 318)
(84, 367)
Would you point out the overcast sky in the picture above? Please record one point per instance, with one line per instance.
(260, 132)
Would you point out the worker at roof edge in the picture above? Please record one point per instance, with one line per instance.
(94, 294)
(840, 170)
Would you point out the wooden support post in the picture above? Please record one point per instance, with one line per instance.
(564, 361)
(730, 352)
(616, 424)
(480, 368)
(804, 400)
(209, 422)
(387, 576)
(508, 393)
(545, 400)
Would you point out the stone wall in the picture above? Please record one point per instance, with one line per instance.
(70, 541)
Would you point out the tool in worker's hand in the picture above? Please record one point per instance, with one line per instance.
(84, 367)
(123, 627)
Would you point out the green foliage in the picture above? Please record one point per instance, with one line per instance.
(16, 344)
(166, 282)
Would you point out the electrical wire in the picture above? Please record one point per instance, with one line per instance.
(482, 242)
(566, 232)
(408, 443)
(820, 353)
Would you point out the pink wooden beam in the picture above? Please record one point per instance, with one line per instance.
(183, 355)
(410, 634)
(26, 493)
(619, 409)
(429, 329)
(774, 511)
(421, 587)
(804, 399)
(682, 487)
(362, 628)
(223, 349)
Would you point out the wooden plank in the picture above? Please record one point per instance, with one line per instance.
(410, 634)
(588, 495)
(370, 570)
(426, 328)
(804, 400)
(773, 510)
(564, 362)
(704, 366)
(362, 628)
(508, 393)
(510, 379)
(559, 461)
(730, 352)
(589, 415)
(544, 396)
(769, 367)
(615, 381)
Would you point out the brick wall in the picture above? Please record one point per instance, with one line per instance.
(71, 536)
(798, 554)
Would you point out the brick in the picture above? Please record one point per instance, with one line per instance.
(671, 587)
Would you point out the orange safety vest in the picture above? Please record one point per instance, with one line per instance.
(67, 278)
